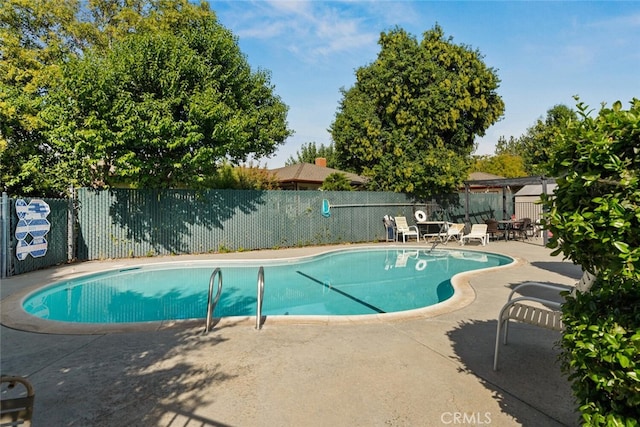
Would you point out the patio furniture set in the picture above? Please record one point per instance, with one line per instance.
(444, 231)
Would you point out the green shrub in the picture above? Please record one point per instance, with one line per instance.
(594, 215)
(336, 181)
(601, 352)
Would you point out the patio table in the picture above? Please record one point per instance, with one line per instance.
(507, 226)
(432, 229)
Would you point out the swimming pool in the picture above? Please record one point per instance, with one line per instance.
(336, 283)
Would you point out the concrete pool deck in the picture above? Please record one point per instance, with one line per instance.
(418, 371)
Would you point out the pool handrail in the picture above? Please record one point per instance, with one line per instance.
(211, 303)
(259, 297)
(435, 243)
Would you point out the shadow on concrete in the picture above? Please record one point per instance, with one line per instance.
(157, 379)
(529, 385)
(561, 267)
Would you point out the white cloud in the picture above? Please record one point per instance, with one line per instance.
(289, 6)
(265, 31)
(311, 30)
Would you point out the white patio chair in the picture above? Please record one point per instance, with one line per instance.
(536, 311)
(16, 406)
(478, 232)
(405, 229)
(454, 232)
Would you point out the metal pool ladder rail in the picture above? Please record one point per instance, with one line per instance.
(259, 298)
(435, 243)
(211, 302)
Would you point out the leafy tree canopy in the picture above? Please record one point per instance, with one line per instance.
(507, 147)
(151, 93)
(506, 165)
(310, 152)
(244, 177)
(528, 154)
(537, 144)
(410, 120)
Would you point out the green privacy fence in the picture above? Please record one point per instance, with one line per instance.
(125, 223)
(122, 223)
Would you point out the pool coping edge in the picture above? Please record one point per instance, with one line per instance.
(12, 315)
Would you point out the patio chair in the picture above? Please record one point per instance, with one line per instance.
(454, 232)
(536, 311)
(537, 229)
(521, 228)
(478, 232)
(17, 408)
(405, 229)
(493, 230)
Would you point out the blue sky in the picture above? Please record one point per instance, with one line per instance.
(544, 52)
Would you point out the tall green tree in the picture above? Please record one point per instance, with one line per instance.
(309, 152)
(506, 160)
(510, 146)
(410, 120)
(506, 165)
(35, 37)
(147, 93)
(162, 110)
(538, 142)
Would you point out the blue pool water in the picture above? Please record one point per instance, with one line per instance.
(347, 282)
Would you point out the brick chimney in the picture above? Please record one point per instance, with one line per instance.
(321, 161)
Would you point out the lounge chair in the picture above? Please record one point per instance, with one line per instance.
(405, 229)
(536, 311)
(454, 232)
(478, 232)
(17, 408)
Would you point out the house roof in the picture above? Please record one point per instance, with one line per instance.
(307, 172)
(482, 178)
(535, 189)
(478, 176)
